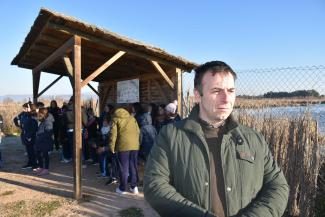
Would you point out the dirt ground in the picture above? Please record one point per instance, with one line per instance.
(23, 193)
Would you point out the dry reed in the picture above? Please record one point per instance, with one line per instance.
(11, 109)
(295, 144)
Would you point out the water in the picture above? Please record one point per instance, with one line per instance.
(317, 111)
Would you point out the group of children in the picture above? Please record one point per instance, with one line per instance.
(44, 129)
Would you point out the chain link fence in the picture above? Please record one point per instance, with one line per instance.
(274, 87)
(258, 82)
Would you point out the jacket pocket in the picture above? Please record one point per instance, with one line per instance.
(246, 156)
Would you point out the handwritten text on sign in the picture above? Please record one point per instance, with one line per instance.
(128, 91)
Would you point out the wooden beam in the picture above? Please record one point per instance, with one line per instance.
(142, 77)
(69, 68)
(102, 68)
(50, 85)
(107, 43)
(104, 99)
(65, 48)
(93, 89)
(179, 91)
(161, 71)
(77, 141)
(36, 80)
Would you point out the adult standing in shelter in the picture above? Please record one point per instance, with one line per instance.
(30, 130)
(124, 140)
(208, 164)
(68, 124)
(19, 121)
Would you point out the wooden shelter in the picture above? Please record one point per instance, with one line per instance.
(65, 46)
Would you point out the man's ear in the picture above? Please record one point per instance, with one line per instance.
(197, 96)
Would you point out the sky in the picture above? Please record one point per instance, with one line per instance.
(247, 34)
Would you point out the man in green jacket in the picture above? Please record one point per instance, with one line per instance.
(208, 164)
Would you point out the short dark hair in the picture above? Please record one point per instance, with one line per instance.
(213, 67)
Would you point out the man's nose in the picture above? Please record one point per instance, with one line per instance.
(225, 96)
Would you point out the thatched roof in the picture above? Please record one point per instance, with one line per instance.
(50, 30)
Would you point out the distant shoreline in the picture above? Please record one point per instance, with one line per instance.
(277, 102)
(25, 97)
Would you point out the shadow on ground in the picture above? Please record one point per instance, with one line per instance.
(99, 199)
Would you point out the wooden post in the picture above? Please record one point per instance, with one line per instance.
(36, 80)
(77, 140)
(179, 92)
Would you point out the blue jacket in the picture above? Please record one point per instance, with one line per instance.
(30, 129)
(20, 120)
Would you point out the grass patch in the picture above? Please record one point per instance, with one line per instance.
(15, 209)
(131, 212)
(45, 208)
(7, 193)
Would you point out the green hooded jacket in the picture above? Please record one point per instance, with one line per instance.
(177, 176)
(125, 132)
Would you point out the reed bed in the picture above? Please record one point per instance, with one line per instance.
(8, 111)
(295, 144)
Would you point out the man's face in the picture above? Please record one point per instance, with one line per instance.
(218, 97)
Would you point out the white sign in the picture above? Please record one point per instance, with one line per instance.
(128, 91)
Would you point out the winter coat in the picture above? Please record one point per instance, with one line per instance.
(56, 112)
(92, 127)
(68, 117)
(177, 174)
(20, 119)
(44, 136)
(147, 133)
(30, 130)
(125, 132)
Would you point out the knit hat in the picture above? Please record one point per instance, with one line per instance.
(171, 108)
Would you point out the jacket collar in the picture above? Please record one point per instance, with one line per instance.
(192, 122)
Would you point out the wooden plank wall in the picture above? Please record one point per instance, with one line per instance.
(151, 91)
